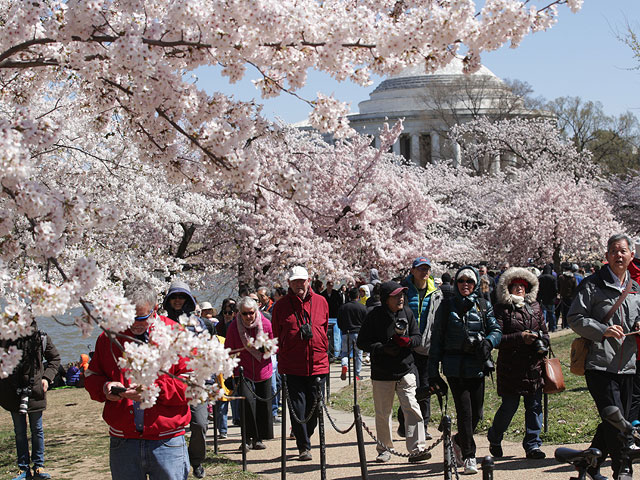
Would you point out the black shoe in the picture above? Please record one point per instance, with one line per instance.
(427, 436)
(496, 451)
(401, 432)
(198, 471)
(420, 457)
(536, 454)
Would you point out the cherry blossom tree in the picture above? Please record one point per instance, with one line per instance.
(109, 81)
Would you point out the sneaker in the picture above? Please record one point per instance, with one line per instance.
(420, 457)
(457, 452)
(343, 375)
(246, 447)
(427, 436)
(358, 378)
(291, 434)
(496, 451)
(198, 471)
(536, 454)
(40, 474)
(470, 466)
(305, 456)
(383, 457)
(222, 436)
(276, 420)
(258, 445)
(24, 475)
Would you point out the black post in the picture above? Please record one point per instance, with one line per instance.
(243, 429)
(446, 432)
(215, 427)
(323, 450)
(487, 468)
(546, 412)
(283, 440)
(355, 381)
(360, 437)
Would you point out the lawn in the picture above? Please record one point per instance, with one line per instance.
(572, 414)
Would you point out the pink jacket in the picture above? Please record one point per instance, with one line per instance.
(255, 370)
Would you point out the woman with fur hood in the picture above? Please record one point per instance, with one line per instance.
(519, 362)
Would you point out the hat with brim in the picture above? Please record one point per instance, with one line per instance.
(206, 306)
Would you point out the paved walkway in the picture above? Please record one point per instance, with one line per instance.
(343, 461)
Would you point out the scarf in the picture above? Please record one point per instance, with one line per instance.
(516, 300)
(244, 335)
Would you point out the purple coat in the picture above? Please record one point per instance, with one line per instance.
(256, 370)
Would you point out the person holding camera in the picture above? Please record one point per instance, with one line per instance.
(23, 394)
(390, 332)
(524, 344)
(464, 333)
(300, 321)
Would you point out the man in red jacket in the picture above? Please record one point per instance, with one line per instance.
(300, 321)
(143, 441)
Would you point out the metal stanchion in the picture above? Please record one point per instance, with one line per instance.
(215, 427)
(358, 419)
(283, 440)
(446, 432)
(487, 468)
(546, 412)
(243, 429)
(323, 450)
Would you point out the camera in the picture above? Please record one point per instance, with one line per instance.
(305, 331)
(401, 326)
(539, 344)
(24, 394)
(472, 342)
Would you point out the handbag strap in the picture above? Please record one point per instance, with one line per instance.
(616, 305)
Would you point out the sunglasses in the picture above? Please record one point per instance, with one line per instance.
(246, 314)
(466, 280)
(181, 296)
(144, 317)
(228, 312)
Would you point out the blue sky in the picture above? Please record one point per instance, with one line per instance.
(579, 56)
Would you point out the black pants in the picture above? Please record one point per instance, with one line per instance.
(609, 389)
(634, 412)
(468, 397)
(258, 418)
(302, 394)
(198, 443)
(422, 380)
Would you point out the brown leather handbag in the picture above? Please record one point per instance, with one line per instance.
(552, 373)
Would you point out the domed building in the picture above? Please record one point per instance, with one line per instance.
(431, 104)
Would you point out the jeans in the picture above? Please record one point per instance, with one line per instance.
(383, 393)
(468, 397)
(532, 419)
(22, 442)
(198, 441)
(134, 459)
(349, 345)
(275, 385)
(223, 410)
(303, 392)
(549, 312)
(337, 337)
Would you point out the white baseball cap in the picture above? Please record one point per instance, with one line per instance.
(298, 273)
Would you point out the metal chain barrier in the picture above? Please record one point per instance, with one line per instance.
(452, 456)
(312, 412)
(255, 395)
(332, 421)
(397, 453)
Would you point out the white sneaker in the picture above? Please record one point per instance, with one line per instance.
(457, 452)
(470, 466)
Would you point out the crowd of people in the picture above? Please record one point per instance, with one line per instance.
(412, 329)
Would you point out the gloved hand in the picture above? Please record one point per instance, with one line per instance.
(401, 341)
(485, 349)
(438, 386)
(390, 349)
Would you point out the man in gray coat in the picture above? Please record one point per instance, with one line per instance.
(610, 363)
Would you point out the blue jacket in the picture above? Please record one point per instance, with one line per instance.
(419, 306)
(457, 317)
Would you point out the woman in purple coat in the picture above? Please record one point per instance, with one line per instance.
(249, 323)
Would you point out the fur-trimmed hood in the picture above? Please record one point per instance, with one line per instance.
(502, 289)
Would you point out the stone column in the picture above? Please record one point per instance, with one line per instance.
(457, 155)
(435, 147)
(396, 147)
(495, 164)
(415, 148)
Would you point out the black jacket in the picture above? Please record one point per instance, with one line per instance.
(388, 361)
(334, 301)
(548, 289)
(350, 316)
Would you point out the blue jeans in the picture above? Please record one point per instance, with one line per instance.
(134, 459)
(532, 419)
(349, 345)
(223, 410)
(337, 336)
(549, 316)
(22, 442)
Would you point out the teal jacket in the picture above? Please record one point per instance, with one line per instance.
(455, 319)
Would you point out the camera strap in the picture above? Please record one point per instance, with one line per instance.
(306, 317)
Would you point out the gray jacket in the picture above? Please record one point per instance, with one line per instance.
(596, 295)
(425, 341)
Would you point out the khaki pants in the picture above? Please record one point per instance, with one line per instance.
(383, 393)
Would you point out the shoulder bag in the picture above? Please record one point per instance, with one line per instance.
(552, 374)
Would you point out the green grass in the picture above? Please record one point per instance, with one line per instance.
(572, 414)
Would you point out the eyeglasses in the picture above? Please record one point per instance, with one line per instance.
(247, 314)
(228, 312)
(144, 317)
(466, 280)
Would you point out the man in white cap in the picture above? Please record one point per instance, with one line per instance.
(300, 321)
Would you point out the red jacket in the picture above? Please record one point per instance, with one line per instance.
(297, 356)
(166, 419)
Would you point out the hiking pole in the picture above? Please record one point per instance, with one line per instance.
(323, 450)
(283, 439)
(487, 468)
